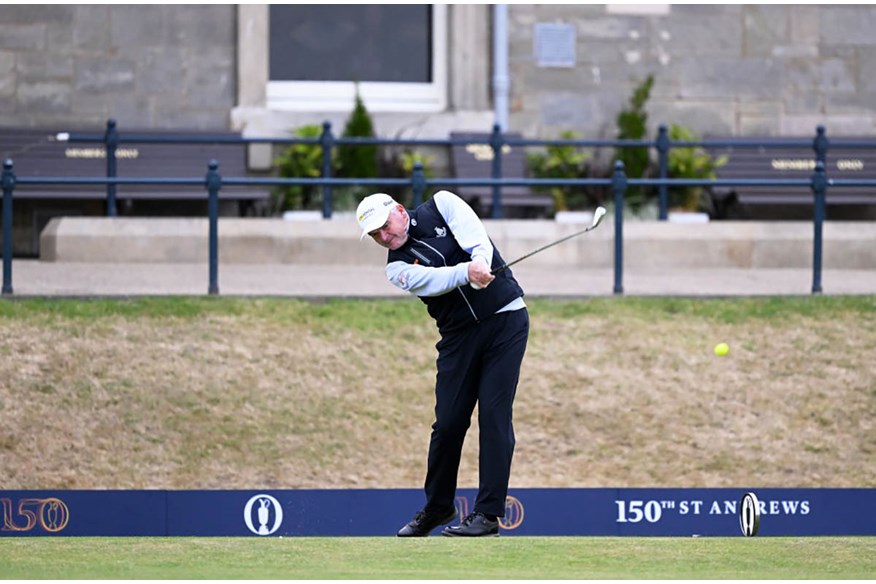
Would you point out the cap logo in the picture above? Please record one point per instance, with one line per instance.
(367, 213)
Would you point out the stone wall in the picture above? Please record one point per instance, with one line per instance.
(741, 70)
(151, 66)
(647, 244)
(721, 70)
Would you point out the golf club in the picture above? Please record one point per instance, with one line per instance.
(597, 219)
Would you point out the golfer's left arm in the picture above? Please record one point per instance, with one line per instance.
(471, 237)
(465, 225)
(470, 234)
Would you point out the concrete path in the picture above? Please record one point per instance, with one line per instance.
(40, 278)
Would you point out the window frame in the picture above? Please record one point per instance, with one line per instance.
(378, 96)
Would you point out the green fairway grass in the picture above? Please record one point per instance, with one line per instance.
(439, 558)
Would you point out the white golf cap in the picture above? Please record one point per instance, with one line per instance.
(373, 212)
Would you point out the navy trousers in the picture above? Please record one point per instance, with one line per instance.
(480, 365)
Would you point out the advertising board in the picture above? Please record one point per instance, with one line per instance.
(381, 512)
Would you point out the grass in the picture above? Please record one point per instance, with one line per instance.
(203, 393)
(374, 314)
(199, 392)
(520, 558)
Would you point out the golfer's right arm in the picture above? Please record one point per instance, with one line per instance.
(426, 281)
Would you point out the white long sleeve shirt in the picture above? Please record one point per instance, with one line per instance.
(424, 280)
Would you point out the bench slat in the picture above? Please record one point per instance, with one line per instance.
(795, 163)
(475, 160)
(36, 154)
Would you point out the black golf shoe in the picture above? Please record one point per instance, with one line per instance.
(474, 525)
(423, 523)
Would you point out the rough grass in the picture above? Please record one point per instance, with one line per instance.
(189, 393)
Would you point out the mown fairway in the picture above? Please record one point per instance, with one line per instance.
(439, 558)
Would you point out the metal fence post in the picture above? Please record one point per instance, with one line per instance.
(619, 186)
(820, 144)
(111, 142)
(214, 183)
(327, 141)
(8, 179)
(496, 141)
(819, 189)
(418, 183)
(663, 146)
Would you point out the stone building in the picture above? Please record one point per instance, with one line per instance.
(727, 70)
(423, 71)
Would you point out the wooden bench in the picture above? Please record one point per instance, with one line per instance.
(474, 159)
(36, 153)
(783, 162)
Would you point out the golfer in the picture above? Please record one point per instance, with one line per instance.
(440, 252)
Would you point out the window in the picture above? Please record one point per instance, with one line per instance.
(396, 53)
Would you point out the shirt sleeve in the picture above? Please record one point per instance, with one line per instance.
(466, 226)
(426, 281)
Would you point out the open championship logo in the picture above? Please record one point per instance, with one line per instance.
(263, 505)
(749, 515)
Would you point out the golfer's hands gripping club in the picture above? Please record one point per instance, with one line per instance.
(479, 275)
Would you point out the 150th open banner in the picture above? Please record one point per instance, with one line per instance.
(380, 512)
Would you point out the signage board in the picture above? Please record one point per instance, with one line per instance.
(381, 512)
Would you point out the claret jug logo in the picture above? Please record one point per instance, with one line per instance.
(25, 514)
(749, 514)
(257, 514)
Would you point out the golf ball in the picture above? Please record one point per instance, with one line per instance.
(722, 349)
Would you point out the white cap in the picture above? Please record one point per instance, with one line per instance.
(373, 212)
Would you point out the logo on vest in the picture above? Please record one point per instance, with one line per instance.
(441, 232)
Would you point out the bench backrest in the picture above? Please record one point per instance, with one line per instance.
(797, 163)
(474, 159)
(35, 153)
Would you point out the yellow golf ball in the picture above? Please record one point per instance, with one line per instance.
(722, 349)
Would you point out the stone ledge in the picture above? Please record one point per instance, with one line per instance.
(732, 244)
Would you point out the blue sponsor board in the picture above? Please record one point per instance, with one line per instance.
(380, 512)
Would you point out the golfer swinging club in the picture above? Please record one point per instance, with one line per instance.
(440, 252)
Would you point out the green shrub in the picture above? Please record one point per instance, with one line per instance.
(562, 161)
(691, 163)
(409, 158)
(398, 163)
(632, 124)
(358, 161)
(299, 161)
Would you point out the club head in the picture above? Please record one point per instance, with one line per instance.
(597, 216)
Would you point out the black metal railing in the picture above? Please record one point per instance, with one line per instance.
(213, 183)
(112, 138)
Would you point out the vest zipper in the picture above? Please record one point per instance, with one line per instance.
(467, 303)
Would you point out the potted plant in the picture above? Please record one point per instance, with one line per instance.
(564, 161)
(355, 160)
(400, 164)
(690, 203)
(632, 124)
(299, 161)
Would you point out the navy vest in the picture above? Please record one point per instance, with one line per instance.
(431, 243)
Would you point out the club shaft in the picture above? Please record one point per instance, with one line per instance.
(532, 253)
